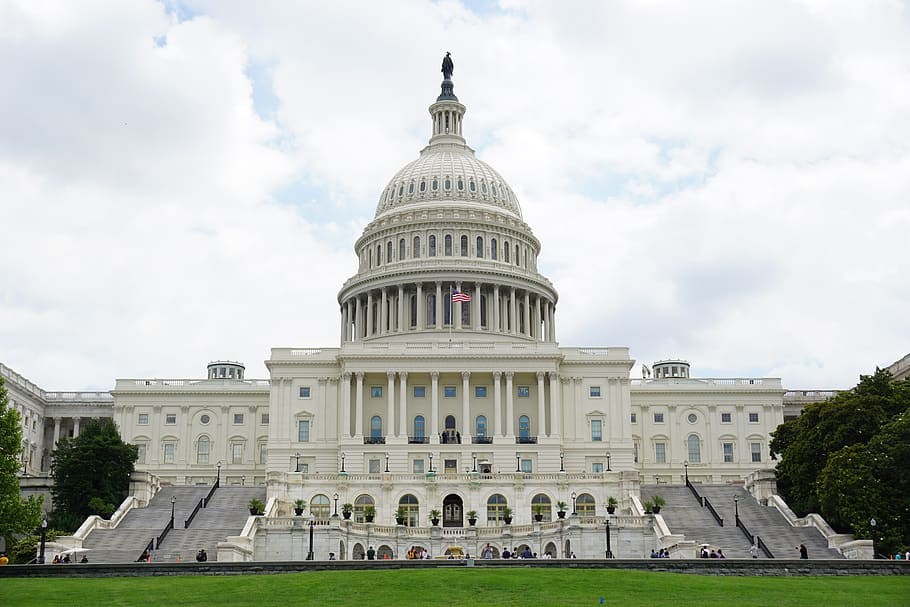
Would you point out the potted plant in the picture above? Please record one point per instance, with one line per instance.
(369, 512)
(507, 515)
(648, 506)
(611, 504)
(658, 502)
(561, 513)
(257, 508)
(346, 510)
(299, 505)
(434, 516)
(400, 515)
(472, 517)
(538, 512)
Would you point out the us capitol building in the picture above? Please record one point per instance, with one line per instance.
(449, 391)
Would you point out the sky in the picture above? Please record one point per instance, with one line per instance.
(723, 182)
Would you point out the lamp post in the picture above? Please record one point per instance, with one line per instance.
(872, 524)
(43, 540)
(573, 503)
(686, 466)
(518, 462)
(608, 462)
(297, 458)
(474, 457)
(342, 461)
(218, 477)
(736, 509)
(386, 461)
(609, 553)
(431, 462)
(335, 497)
(562, 457)
(309, 555)
(173, 506)
(242, 480)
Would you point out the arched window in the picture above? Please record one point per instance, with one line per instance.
(388, 252)
(516, 255)
(401, 189)
(483, 310)
(584, 505)
(423, 186)
(411, 509)
(416, 250)
(413, 310)
(505, 251)
(460, 184)
(203, 447)
(411, 188)
(480, 426)
(401, 250)
(472, 186)
(448, 184)
(419, 428)
(464, 246)
(524, 428)
(493, 249)
(431, 310)
(494, 190)
(540, 504)
(379, 255)
(495, 506)
(319, 506)
(432, 246)
(694, 448)
(435, 184)
(450, 422)
(448, 245)
(360, 504)
(480, 246)
(483, 187)
(371, 258)
(375, 427)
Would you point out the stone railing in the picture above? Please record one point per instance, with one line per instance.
(194, 384)
(835, 540)
(737, 383)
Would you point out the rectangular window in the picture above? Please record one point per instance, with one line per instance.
(524, 391)
(449, 392)
(658, 418)
(527, 466)
(660, 453)
(238, 419)
(634, 419)
(597, 467)
(263, 453)
(237, 453)
(480, 391)
(304, 391)
(595, 391)
(305, 468)
(264, 419)
(756, 452)
(635, 452)
(753, 418)
(596, 430)
(418, 466)
(142, 448)
(143, 419)
(170, 419)
(450, 466)
(728, 453)
(420, 391)
(303, 431)
(726, 418)
(373, 466)
(376, 392)
(169, 450)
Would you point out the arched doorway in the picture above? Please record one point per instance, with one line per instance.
(358, 553)
(452, 511)
(551, 548)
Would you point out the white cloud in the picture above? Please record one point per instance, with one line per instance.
(737, 174)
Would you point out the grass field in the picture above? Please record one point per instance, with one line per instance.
(512, 587)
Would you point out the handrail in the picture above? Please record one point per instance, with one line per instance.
(694, 491)
(167, 528)
(742, 527)
(148, 550)
(189, 519)
(764, 547)
(211, 492)
(710, 506)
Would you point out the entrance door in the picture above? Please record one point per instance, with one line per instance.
(452, 511)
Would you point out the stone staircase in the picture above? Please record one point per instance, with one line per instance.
(684, 515)
(226, 514)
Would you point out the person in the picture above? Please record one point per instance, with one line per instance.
(505, 552)
(653, 554)
(146, 557)
(66, 558)
(713, 554)
(720, 553)
(487, 552)
(371, 554)
(704, 552)
(907, 555)
(572, 555)
(56, 560)
(803, 551)
(331, 556)
(753, 551)
(84, 558)
(527, 554)
(201, 556)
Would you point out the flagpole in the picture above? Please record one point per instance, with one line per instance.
(451, 314)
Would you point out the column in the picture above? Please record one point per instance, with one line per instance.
(56, 431)
(383, 318)
(369, 322)
(358, 406)
(465, 406)
(513, 312)
(541, 407)
(76, 421)
(526, 314)
(390, 415)
(439, 305)
(434, 413)
(421, 307)
(497, 403)
(510, 405)
(403, 405)
(555, 406)
(553, 320)
(398, 328)
(495, 308)
(346, 404)
(475, 314)
(457, 311)
(358, 327)
(344, 313)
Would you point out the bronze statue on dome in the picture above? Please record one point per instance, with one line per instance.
(447, 66)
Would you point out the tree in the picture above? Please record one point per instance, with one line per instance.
(92, 471)
(17, 516)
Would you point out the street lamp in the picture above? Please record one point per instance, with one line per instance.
(297, 457)
(431, 462)
(242, 479)
(562, 457)
(609, 553)
(386, 461)
(736, 509)
(309, 555)
(342, 461)
(686, 466)
(872, 524)
(173, 506)
(218, 478)
(474, 457)
(335, 497)
(518, 462)
(43, 540)
(608, 462)
(573, 503)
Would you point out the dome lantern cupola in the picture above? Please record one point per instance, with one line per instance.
(447, 112)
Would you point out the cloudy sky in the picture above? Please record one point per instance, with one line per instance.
(723, 182)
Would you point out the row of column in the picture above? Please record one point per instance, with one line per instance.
(397, 407)
(387, 311)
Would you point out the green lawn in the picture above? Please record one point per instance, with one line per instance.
(468, 587)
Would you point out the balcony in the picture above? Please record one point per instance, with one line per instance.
(482, 440)
(373, 440)
(418, 440)
(525, 440)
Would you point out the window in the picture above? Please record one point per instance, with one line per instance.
(449, 392)
(360, 505)
(495, 506)
(524, 427)
(448, 183)
(304, 391)
(596, 430)
(635, 451)
(401, 251)
(448, 245)
(432, 246)
(693, 446)
(450, 466)
(692, 418)
(388, 252)
(634, 418)
(753, 418)
(420, 391)
(472, 186)
(376, 392)
(263, 452)
(435, 184)
(204, 419)
(597, 467)
(595, 391)
(319, 506)
(264, 419)
(423, 185)
(464, 246)
(379, 255)
(376, 427)
(416, 251)
(505, 251)
(480, 391)
(480, 426)
(169, 450)
(584, 505)
(493, 252)
(202, 450)
(460, 184)
(303, 431)
(726, 418)
(524, 391)
(658, 418)
(660, 453)
(170, 419)
(419, 427)
(540, 503)
(479, 246)
(408, 503)
(728, 453)
(142, 449)
(483, 187)
(143, 419)
(238, 419)
(411, 188)
(418, 466)
(237, 453)
(756, 452)
(374, 466)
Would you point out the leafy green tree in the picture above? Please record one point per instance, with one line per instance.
(92, 471)
(17, 516)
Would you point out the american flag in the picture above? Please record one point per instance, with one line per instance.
(463, 297)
